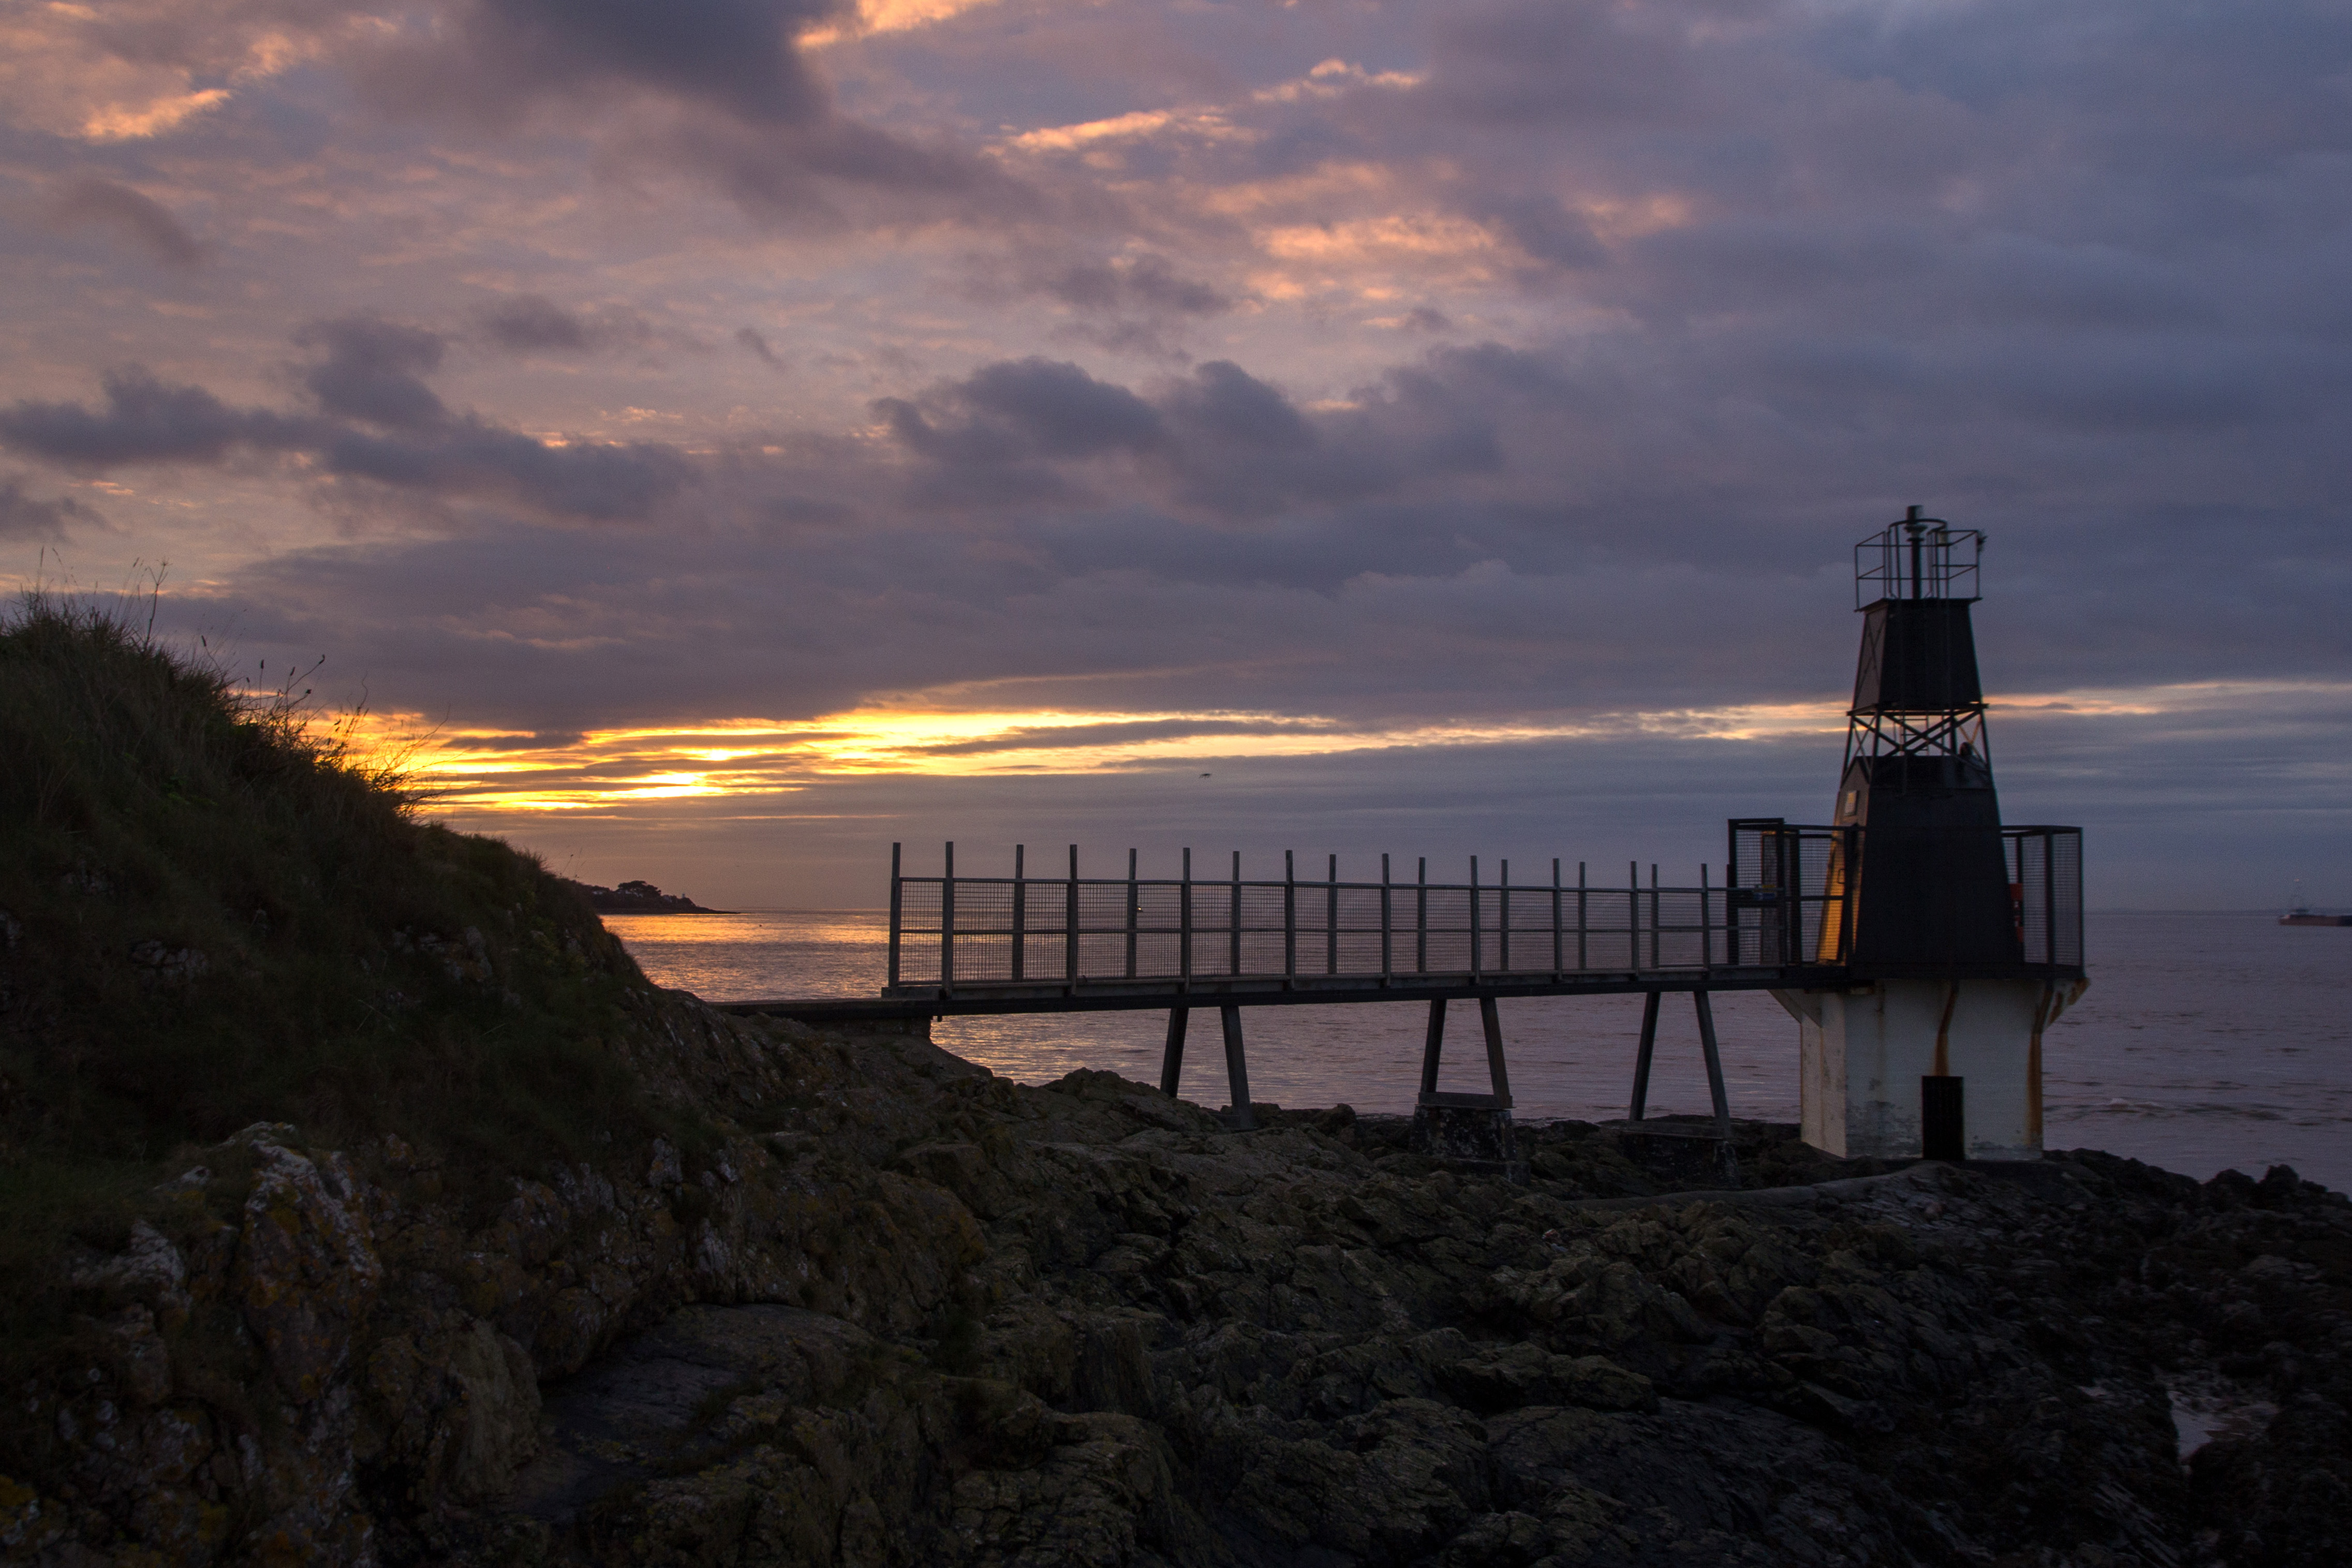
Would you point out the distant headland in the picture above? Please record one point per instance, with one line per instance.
(640, 898)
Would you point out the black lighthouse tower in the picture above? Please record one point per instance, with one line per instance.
(1930, 882)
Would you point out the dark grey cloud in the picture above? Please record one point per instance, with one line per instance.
(373, 370)
(1149, 283)
(379, 424)
(532, 323)
(1529, 63)
(721, 88)
(593, 480)
(28, 518)
(737, 58)
(1023, 411)
(145, 222)
(146, 420)
(1218, 438)
(753, 342)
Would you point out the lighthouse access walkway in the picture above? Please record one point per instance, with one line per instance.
(1776, 918)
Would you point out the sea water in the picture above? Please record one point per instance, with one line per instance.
(2206, 1041)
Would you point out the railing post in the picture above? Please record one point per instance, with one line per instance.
(1131, 912)
(1387, 958)
(1556, 953)
(1331, 924)
(1633, 916)
(1475, 934)
(947, 922)
(1184, 921)
(1503, 914)
(1070, 930)
(893, 914)
(1289, 916)
(1654, 916)
(1421, 919)
(1234, 933)
(1583, 923)
(1020, 910)
(1706, 930)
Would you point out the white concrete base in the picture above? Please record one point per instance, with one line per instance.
(1865, 1050)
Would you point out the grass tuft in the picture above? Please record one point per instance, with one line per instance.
(212, 914)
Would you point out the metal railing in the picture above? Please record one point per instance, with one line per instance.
(1919, 558)
(2045, 886)
(1787, 900)
(953, 930)
(1792, 904)
(1789, 892)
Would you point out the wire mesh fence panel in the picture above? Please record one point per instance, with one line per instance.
(2066, 902)
(1677, 937)
(1045, 955)
(982, 957)
(1609, 934)
(2046, 881)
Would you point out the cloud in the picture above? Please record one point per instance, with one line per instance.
(1546, 361)
(601, 482)
(378, 424)
(144, 421)
(28, 518)
(736, 55)
(1147, 283)
(722, 88)
(142, 220)
(374, 371)
(1021, 411)
(751, 342)
(532, 323)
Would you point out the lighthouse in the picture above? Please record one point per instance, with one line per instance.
(1942, 958)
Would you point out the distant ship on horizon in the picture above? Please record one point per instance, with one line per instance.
(2298, 913)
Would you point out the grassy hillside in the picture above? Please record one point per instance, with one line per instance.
(210, 917)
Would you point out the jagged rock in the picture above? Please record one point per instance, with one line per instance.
(923, 1315)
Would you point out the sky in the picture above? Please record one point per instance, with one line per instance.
(709, 441)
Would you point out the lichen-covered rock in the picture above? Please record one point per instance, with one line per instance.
(903, 1312)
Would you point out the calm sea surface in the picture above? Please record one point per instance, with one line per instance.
(2205, 1041)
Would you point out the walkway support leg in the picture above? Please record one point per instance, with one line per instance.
(1434, 1045)
(1713, 1063)
(1171, 1060)
(1642, 1057)
(1714, 1084)
(1236, 1069)
(1496, 1073)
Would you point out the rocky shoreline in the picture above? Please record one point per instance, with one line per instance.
(901, 1311)
(639, 897)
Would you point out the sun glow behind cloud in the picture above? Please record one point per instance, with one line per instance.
(511, 771)
(474, 772)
